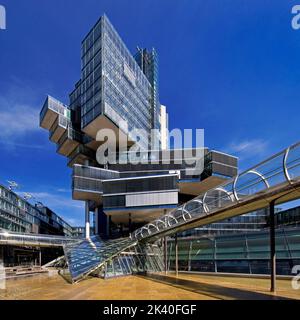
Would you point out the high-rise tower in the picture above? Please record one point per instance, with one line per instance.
(119, 91)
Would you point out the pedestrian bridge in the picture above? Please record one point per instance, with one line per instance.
(273, 181)
(34, 240)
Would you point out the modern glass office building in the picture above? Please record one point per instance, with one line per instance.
(19, 215)
(112, 84)
(120, 91)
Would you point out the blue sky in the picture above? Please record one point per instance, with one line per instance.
(231, 67)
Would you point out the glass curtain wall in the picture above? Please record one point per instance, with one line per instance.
(241, 253)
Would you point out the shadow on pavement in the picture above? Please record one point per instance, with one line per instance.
(212, 290)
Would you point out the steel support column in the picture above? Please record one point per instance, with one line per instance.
(96, 220)
(166, 254)
(87, 211)
(215, 256)
(107, 226)
(129, 223)
(272, 246)
(176, 254)
(190, 255)
(87, 220)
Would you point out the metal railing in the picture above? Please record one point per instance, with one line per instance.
(87, 178)
(87, 185)
(8, 237)
(277, 171)
(94, 173)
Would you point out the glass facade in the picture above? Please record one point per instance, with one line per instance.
(253, 221)
(18, 215)
(152, 191)
(91, 178)
(288, 217)
(91, 73)
(79, 232)
(112, 83)
(140, 259)
(239, 253)
(54, 105)
(143, 184)
(148, 62)
(87, 256)
(109, 258)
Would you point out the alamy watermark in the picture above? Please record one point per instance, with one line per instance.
(137, 146)
(296, 278)
(296, 18)
(2, 18)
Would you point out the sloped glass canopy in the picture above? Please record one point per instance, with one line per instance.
(89, 255)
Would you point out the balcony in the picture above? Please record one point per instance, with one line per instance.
(87, 189)
(218, 168)
(184, 160)
(58, 128)
(142, 197)
(94, 172)
(69, 141)
(80, 155)
(87, 182)
(50, 111)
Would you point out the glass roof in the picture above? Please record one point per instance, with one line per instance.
(90, 254)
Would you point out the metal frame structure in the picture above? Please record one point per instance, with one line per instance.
(251, 250)
(276, 178)
(35, 240)
(88, 256)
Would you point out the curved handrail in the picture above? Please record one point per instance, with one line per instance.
(230, 189)
(263, 178)
(285, 170)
